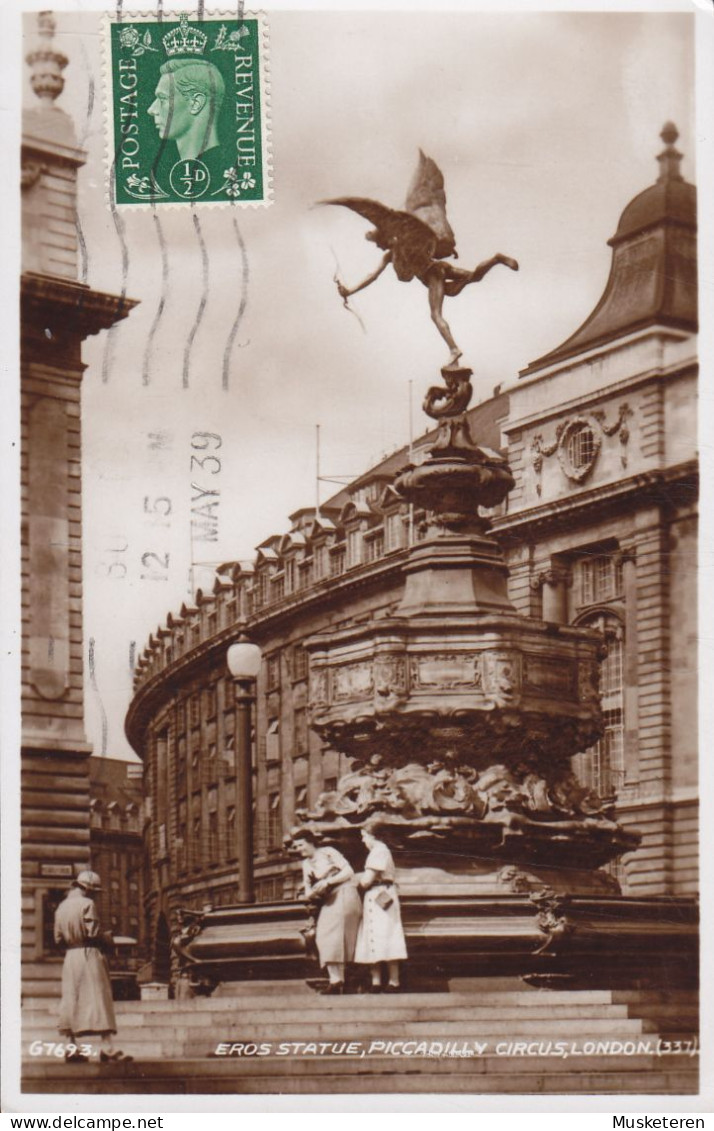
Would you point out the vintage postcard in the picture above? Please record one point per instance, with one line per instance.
(358, 752)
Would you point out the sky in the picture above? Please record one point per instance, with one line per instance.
(544, 124)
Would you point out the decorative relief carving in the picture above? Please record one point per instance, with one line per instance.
(501, 677)
(390, 680)
(553, 576)
(447, 671)
(577, 443)
(549, 677)
(352, 681)
(619, 427)
(552, 919)
(30, 174)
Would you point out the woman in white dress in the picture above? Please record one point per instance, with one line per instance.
(381, 936)
(329, 883)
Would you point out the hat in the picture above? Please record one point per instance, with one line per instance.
(90, 881)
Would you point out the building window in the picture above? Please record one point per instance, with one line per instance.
(196, 839)
(299, 664)
(304, 577)
(300, 798)
(272, 741)
(277, 587)
(318, 562)
(354, 542)
(290, 575)
(275, 823)
(581, 447)
(272, 671)
(181, 762)
(210, 702)
(337, 560)
(268, 889)
(213, 837)
(300, 728)
(374, 546)
(602, 766)
(195, 711)
(330, 785)
(229, 748)
(393, 531)
(230, 832)
(212, 624)
(600, 578)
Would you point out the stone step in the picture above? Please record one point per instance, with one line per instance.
(660, 996)
(661, 1009)
(339, 1010)
(41, 988)
(366, 1002)
(376, 1065)
(182, 1042)
(200, 1077)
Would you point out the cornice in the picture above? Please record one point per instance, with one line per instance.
(81, 308)
(595, 397)
(652, 487)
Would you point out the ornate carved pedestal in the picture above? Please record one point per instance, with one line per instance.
(461, 718)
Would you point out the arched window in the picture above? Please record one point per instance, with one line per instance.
(602, 766)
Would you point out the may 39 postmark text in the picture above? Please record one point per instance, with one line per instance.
(187, 110)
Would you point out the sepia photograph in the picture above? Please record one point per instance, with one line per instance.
(358, 741)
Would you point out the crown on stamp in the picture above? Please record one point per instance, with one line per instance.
(185, 40)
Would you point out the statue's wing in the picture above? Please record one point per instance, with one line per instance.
(426, 200)
(411, 241)
(377, 214)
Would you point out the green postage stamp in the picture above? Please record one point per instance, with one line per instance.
(188, 109)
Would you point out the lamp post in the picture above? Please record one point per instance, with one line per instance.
(243, 660)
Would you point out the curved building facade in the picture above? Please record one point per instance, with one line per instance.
(598, 531)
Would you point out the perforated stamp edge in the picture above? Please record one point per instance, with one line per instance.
(110, 19)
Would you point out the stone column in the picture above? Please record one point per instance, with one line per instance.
(554, 582)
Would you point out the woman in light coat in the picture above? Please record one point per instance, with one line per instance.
(329, 884)
(381, 936)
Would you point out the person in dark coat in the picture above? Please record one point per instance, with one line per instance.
(86, 1008)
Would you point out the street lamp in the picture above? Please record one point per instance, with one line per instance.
(243, 660)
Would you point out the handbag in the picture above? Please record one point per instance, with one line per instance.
(383, 899)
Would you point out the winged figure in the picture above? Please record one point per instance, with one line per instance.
(417, 241)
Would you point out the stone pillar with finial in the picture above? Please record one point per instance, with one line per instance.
(50, 160)
(57, 314)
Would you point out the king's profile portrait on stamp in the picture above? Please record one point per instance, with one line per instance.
(187, 111)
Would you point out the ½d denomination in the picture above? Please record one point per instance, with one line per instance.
(187, 106)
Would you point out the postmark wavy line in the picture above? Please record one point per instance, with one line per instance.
(91, 664)
(245, 276)
(161, 306)
(120, 227)
(202, 304)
